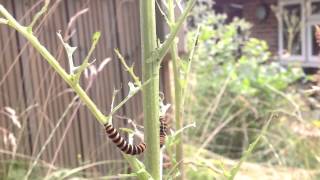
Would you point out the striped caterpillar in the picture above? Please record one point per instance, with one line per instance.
(163, 129)
(121, 143)
(127, 148)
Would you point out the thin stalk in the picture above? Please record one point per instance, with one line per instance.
(174, 30)
(150, 70)
(177, 92)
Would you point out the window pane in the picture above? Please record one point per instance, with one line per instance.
(292, 44)
(315, 8)
(314, 45)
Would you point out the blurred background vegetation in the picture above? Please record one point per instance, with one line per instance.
(237, 86)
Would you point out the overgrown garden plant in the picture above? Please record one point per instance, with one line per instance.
(237, 88)
(152, 55)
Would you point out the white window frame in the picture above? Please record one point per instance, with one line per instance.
(311, 21)
(314, 17)
(307, 22)
(311, 58)
(292, 58)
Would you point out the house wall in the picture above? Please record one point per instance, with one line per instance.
(266, 30)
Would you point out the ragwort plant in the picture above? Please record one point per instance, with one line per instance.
(152, 54)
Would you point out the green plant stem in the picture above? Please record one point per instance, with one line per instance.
(54, 63)
(129, 69)
(174, 30)
(39, 14)
(177, 92)
(138, 168)
(130, 95)
(150, 70)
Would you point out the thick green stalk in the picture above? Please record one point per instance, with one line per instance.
(177, 92)
(150, 70)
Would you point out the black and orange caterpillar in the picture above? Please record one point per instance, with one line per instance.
(128, 148)
(163, 130)
(121, 143)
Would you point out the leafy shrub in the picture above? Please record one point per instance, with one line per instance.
(236, 83)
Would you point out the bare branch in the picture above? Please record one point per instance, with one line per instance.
(40, 13)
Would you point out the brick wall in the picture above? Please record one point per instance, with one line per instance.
(266, 30)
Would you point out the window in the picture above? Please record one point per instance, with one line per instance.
(296, 31)
(313, 19)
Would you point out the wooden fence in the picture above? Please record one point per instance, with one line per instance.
(41, 99)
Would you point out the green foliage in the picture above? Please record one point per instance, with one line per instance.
(231, 75)
(225, 49)
(200, 173)
(247, 153)
(16, 169)
(291, 148)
